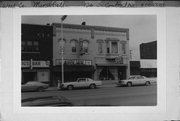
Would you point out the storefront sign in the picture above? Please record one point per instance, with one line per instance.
(119, 60)
(74, 62)
(33, 63)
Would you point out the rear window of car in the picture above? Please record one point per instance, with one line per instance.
(82, 80)
(131, 77)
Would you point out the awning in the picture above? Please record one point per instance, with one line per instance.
(75, 68)
(111, 65)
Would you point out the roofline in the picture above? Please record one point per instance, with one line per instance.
(88, 27)
(152, 42)
(36, 25)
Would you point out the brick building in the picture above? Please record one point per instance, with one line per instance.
(36, 52)
(101, 53)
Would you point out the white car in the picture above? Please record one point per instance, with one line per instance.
(135, 80)
(81, 83)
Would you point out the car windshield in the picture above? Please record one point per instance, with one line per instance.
(132, 77)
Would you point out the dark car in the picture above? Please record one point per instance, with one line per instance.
(47, 101)
(34, 86)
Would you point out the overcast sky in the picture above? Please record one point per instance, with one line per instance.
(142, 28)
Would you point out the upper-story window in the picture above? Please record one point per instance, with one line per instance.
(123, 47)
(108, 47)
(84, 46)
(61, 44)
(100, 46)
(23, 44)
(114, 47)
(74, 45)
(30, 45)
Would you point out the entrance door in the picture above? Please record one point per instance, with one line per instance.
(43, 76)
(106, 74)
(122, 72)
(29, 76)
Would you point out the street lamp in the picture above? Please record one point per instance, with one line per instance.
(62, 41)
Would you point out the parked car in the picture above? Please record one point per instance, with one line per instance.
(46, 101)
(81, 83)
(135, 80)
(34, 86)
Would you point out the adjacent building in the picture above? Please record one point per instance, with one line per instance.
(148, 55)
(36, 52)
(97, 52)
(135, 68)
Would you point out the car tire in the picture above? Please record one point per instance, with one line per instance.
(129, 84)
(40, 89)
(147, 83)
(70, 87)
(92, 86)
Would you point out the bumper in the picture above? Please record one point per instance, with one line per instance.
(120, 84)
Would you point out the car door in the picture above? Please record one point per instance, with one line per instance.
(82, 82)
(28, 87)
(136, 80)
(140, 80)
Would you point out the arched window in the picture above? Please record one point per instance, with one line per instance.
(85, 46)
(100, 46)
(73, 45)
(61, 43)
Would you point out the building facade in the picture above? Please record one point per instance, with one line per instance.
(148, 56)
(135, 68)
(36, 52)
(97, 52)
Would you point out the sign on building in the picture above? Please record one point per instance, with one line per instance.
(32, 63)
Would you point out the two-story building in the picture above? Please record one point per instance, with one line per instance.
(148, 55)
(98, 52)
(36, 52)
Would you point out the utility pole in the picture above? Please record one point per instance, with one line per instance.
(62, 49)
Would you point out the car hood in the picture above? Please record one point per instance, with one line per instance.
(47, 101)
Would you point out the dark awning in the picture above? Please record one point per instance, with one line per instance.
(135, 64)
(75, 68)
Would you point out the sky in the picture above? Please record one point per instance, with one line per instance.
(142, 28)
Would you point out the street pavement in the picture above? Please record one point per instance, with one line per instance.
(107, 95)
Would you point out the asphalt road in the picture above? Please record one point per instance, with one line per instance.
(106, 96)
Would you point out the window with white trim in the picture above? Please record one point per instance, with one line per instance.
(100, 46)
(114, 47)
(123, 48)
(73, 46)
(85, 46)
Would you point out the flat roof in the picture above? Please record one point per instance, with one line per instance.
(88, 27)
